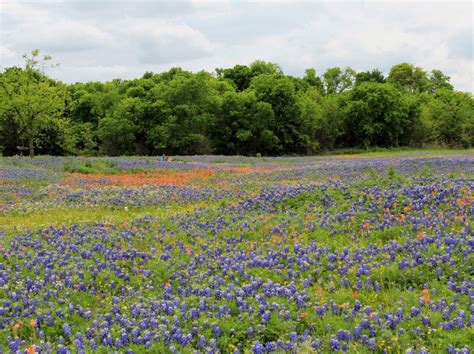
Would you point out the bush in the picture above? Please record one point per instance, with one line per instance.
(91, 167)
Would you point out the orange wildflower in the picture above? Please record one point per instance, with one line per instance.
(355, 295)
(17, 326)
(426, 299)
(157, 177)
(32, 323)
(320, 291)
(425, 291)
(167, 283)
(303, 315)
(31, 349)
(463, 202)
(248, 169)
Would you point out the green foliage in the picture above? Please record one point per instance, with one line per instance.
(29, 101)
(370, 76)
(337, 80)
(246, 109)
(409, 77)
(377, 115)
(288, 124)
(117, 136)
(81, 139)
(439, 81)
(91, 167)
(240, 126)
(312, 80)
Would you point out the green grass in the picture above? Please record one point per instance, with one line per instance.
(14, 223)
(91, 167)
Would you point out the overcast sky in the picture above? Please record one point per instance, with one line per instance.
(102, 40)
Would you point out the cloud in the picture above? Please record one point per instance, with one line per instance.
(62, 36)
(165, 42)
(124, 39)
(376, 36)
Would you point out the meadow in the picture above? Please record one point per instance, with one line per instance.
(211, 254)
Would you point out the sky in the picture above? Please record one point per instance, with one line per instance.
(105, 39)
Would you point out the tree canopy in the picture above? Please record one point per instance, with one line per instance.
(247, 109)
(30, 102)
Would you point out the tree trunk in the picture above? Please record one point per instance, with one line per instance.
(30, 146)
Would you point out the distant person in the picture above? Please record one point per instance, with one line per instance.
(165, 158)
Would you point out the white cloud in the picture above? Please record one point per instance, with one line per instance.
(109, 39)
(165, 42)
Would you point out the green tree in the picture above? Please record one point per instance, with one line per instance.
(411, 78)
(117, 136)
(288, 126)
(81, 139)
(369, 76)
(450, 115)
(312, 80)
(241, 75)
(119, 133)
(31, 99)
(337, 80)
(243, 125)
(187, 115)
(311, 118)
(376, 114)
(332, 121)
(439, 81)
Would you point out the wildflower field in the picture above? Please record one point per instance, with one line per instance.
(212, 254)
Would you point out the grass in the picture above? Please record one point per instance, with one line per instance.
(17, 223)
(91, 167)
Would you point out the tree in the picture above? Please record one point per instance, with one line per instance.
(31, 99)
(312, 80)
(337, 80)
(451, 117)
(369, 76)
(376, 115)
(190, 101)
(243, 125)
(408, 77)
(288, 126)
(246, 109)
(241, 75)
(121, 133)
(439, 81)
(332, 121)
(311, 118)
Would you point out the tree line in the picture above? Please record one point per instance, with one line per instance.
(247, 109)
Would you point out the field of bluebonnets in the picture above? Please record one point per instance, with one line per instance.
(237, 255)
